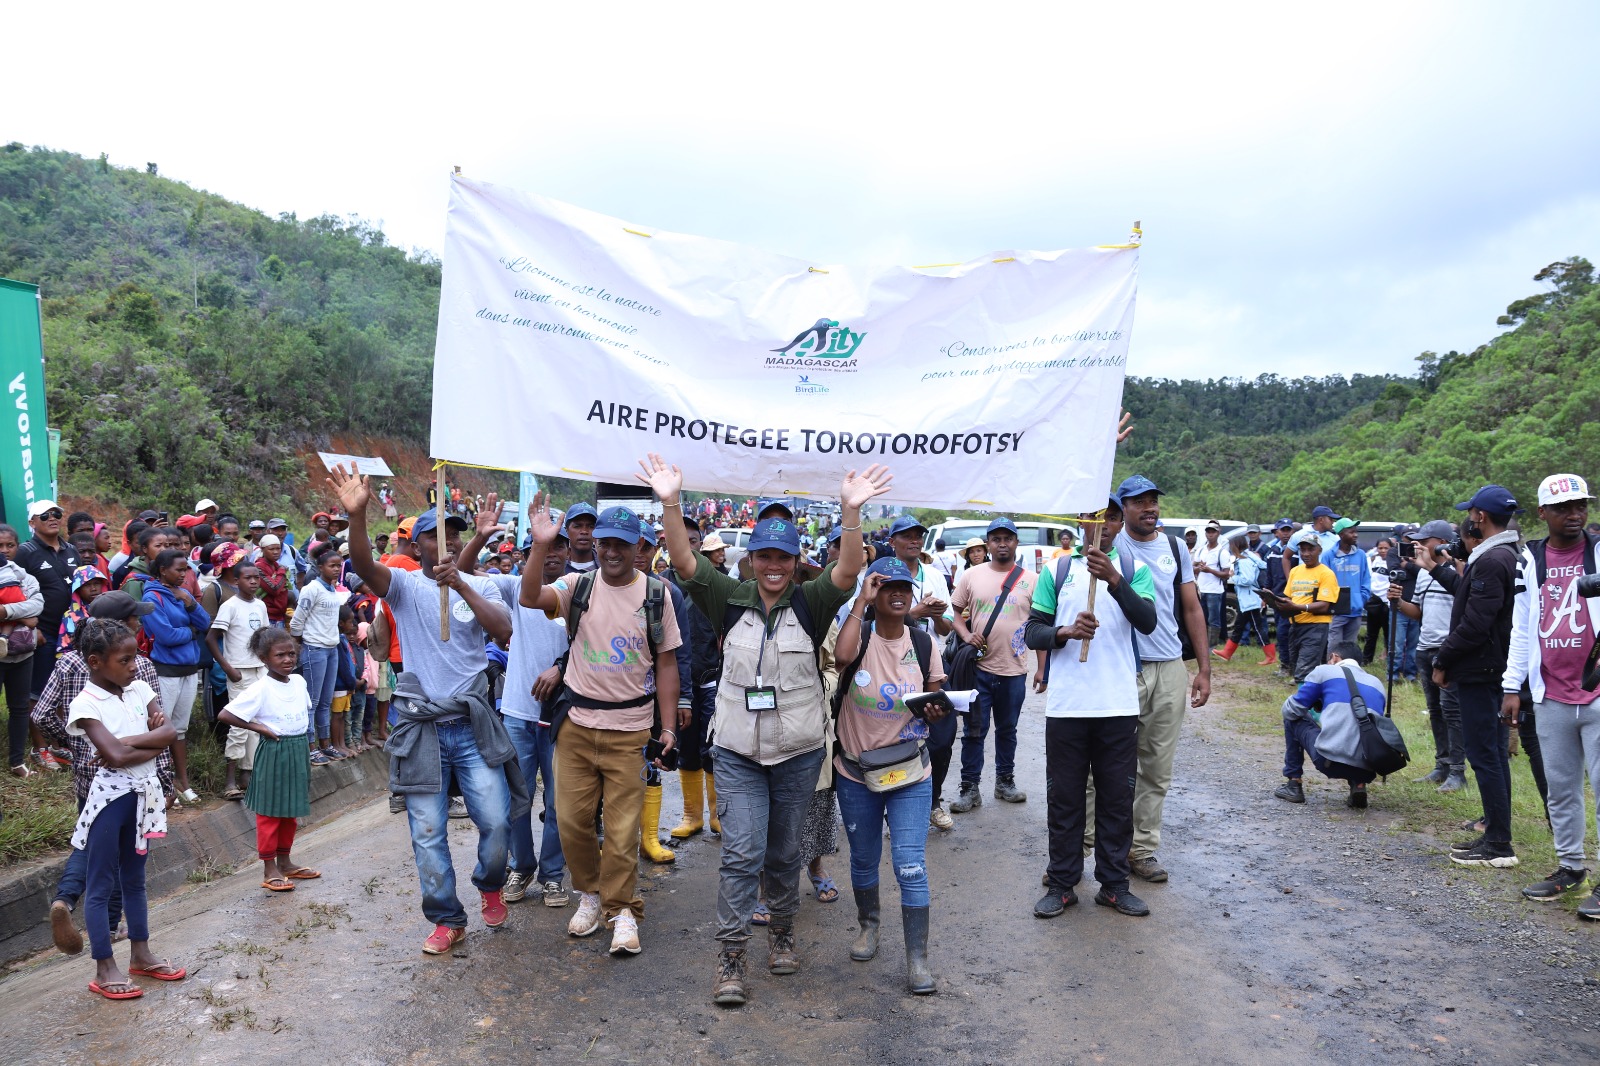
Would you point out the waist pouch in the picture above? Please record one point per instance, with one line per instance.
(890, 768)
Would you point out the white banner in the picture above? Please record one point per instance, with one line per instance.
(372, 466)
(573, 343)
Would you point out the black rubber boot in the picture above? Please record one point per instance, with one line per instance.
(919, 979)
(866, 945)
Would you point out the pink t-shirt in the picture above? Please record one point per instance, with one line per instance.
(874, 714)
(977, 591)
(610, 657)
(1565, 635)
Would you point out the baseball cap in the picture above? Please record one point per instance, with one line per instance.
(268, 541)
(834, 534)
(189, 521)
(1559, 488)
(616, 523)
(277, 523)
(203, 504)
(1438, 529)
(892, 569)
(1214, 524)
(775, 533)
(39, 507)
(1001, 523)
(256, 523)
(580, 510)
(1305, 536)
(1282, 523)
(1137, 485)
(905, 522)
(769, 503)
(119, 605)
(149, 516)
(647, 534)
(428, 522)
(404, 529)
(1494, 499)
(1323, 512)
(1345, 523)
(1252, 528)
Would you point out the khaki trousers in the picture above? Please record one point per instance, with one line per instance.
(591, 765)
(1163, 698)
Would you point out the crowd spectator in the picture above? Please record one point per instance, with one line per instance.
(1429, 604)
(1212, 567)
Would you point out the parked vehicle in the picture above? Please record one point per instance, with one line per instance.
(1036, 541)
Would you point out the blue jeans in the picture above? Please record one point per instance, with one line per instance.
(1300, 739)
(1406, 632)
(1000, 698)
(320, 668)
(906, 812)
(535, 754)
(113, 859)
(74, 877)
(489, 804)
(1211, 604)
(762, 810)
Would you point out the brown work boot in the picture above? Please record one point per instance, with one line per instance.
(781, 958)
(728, 988)
(1148, 869)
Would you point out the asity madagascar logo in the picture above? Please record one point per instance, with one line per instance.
(824, 346)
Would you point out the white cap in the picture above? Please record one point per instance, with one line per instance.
(203, 504)
(39, 507)
(268, 541)
(1557, 488)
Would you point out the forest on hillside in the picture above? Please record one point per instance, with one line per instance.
(198, 347)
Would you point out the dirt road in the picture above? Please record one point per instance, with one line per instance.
(1285, 933)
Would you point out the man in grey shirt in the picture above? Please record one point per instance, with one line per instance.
(1430, 602)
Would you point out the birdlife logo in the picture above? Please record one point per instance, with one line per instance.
(827, 345)
(809, 387)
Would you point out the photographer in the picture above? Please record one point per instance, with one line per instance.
(1473, 657)
(1429, 603)
(1552, 640)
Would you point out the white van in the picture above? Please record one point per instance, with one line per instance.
(1036, 541)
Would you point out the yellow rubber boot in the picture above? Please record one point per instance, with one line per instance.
(694, 798)
(650, 828)
(711, 803)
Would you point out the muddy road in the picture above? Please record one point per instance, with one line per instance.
(1285, 933)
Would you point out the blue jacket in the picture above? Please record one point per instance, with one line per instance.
(1324, 698)
(345, 680)
(1354, 574)
(174, 628)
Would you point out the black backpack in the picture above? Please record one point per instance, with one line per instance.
(1383, 749)
(921, 643)
(553, 712)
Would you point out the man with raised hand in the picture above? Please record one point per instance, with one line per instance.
(447, 717)
(770, 717)
(578, 527)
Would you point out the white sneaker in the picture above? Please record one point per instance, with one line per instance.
(587, 918)
(940, 818)
(624, 933)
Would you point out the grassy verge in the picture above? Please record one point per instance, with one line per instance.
(1255, 698)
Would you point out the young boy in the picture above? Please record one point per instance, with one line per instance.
(236, 621)
(1314, 589)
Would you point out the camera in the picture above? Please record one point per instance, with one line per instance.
(1458, 550)
(1408, 549)
(1589, 586)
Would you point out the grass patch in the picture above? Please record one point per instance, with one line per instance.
(209, 871)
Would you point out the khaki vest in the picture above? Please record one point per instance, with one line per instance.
(788, 665)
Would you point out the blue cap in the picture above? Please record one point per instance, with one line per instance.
(766, 503)
(428, 522)
(1282, 523)
(835, 533)
(1001, 523)
(775, 533)
(647, 534)
(1494, 499)
(1137, 485)
(618, 523)
(578, 510)
(1323, 512)
(905, 522)
(892, 569)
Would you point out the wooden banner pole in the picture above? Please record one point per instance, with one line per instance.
(439, 552)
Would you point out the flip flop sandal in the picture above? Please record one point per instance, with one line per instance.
(827, 891)
(132, 991)
(762, 916)
(233, 794)
(178, 972)
(278, 884)
(304, 873)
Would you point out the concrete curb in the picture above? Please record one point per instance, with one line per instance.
(222, 836)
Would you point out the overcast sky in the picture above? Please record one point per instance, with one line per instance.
(1324, 188)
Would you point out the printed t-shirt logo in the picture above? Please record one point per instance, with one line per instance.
(461, 610)
(826, 345)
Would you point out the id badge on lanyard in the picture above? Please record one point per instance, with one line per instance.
(761, 696)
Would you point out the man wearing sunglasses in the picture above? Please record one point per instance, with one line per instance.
(51, 560)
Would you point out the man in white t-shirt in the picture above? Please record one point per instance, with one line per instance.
(1213, 564)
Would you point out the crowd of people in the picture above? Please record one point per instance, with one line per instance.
(603, 650)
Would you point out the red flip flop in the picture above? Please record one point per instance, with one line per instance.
(178, 974)
(100, 990)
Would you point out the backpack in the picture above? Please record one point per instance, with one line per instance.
(553, 711)
(921, 644)
(1383, 749)
(1064, 566)
(1177, 600)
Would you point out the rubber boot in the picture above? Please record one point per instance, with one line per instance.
(650, 827)
(711, 804)
(866, 945)
(919, 979)
(693, 783)
(1226, 654)
(1271, 655)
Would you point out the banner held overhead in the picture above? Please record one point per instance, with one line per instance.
(992, 382)
(26, 469)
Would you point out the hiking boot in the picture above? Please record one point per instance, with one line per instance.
(397, 803)
(1290, 790)
(969, 799)
(1488, 853)
(442, 939)
(586, 919)
(67, 939)
(727, 989)
(781, 958)
(624, 933)
(1123, 902)
(1436, 776)
(458, 806)
(494, 910)
(1149, 869)
(1552, 887)
(1590, 908)
(1454, 782)
(1053, 903)
(940, 818)
(866, 944)
(1005, 788)
(554, 894)
(1357, 797)
(516, 887)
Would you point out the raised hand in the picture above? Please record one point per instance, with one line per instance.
(352, 489)
(487, 520)
(1125, 427)
(664, 480)
(541, 527)
(855, 490)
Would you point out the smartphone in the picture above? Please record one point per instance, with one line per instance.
(653, 750)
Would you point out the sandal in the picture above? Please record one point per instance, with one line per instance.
(303, 873)
(278, 884)
(827, 891)
(233, 794)
(129, 990)
(762, 916)
(23, 771)
(173, 973)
